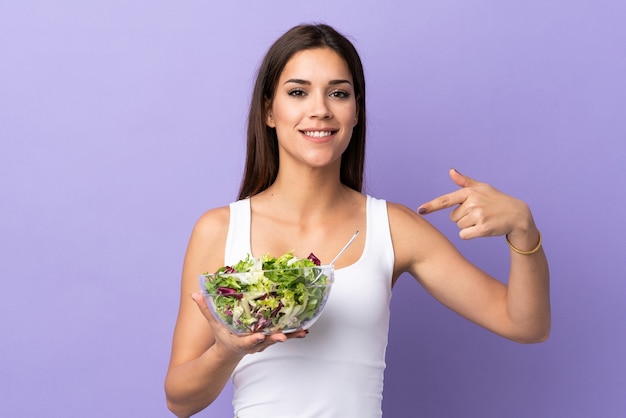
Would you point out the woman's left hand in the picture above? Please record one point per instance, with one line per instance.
(482, 210)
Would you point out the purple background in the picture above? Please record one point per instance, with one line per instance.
(122, 121)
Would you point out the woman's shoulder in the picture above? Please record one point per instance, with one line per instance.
(399, 214)
(205, 250)
(407, 225)
(402, 213)
(412, 235)
(212, 221)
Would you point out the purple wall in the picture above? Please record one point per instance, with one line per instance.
(121, 121)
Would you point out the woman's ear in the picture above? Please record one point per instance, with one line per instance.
(269, 116)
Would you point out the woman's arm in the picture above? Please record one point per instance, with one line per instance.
(204, 353)
(518, 310)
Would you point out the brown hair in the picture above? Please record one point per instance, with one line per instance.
(261, 165)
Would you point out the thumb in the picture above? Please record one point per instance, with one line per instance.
(462, 180)
(202, 304)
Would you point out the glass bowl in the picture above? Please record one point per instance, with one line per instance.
(268, 301)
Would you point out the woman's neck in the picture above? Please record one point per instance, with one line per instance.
(311, 193)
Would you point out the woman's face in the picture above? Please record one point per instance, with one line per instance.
(314, 108)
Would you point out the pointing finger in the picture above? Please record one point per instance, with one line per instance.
(442, 202)
(450, 199)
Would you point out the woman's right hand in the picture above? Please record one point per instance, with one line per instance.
(236, 346)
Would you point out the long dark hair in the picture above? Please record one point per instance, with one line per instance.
(262, 146)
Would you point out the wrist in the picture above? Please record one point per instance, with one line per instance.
(525, 252)
(223, 355)
(524, 238)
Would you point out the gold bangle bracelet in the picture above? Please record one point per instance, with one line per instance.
(534, 250)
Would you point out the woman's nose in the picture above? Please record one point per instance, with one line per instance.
(319, 107)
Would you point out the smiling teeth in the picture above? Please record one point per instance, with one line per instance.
(318, 134)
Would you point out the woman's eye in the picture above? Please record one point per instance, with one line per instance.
(296, 92)
(340, 94)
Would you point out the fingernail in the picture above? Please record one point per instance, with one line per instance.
(421, 211)
(457, 171)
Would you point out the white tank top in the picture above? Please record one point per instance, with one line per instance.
(337, 370)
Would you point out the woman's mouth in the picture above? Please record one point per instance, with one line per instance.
(318, 134)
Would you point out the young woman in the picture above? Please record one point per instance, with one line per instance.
(302, 191)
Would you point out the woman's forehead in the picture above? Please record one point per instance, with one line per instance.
(318, 64)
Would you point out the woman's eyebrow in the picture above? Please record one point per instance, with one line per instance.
(308, 83)
(334, 82)
(298, 81)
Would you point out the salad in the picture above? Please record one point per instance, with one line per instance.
(268, 294)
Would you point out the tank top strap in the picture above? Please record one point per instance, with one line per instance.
(238, 239)
(378, 244)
